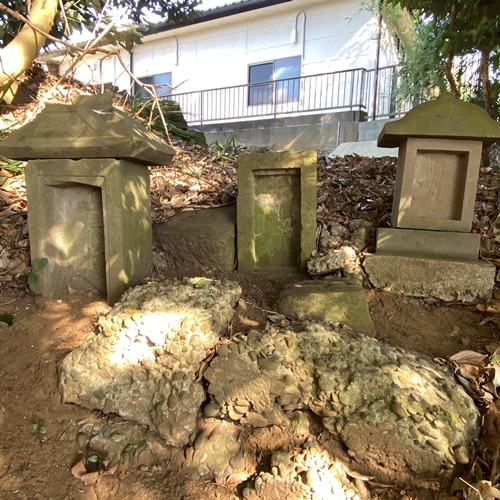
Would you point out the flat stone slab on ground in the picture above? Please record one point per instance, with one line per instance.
(334, 300)
(447, 280)
(205, 236)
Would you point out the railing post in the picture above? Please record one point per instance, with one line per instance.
(362, 89)
(201, 107)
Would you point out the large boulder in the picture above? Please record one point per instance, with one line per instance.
(402, 418)
(143, 363)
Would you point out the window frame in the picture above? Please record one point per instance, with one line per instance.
(265, 92)
(139, 93)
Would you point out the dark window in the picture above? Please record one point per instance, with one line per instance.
(162, 83)
(276, 81)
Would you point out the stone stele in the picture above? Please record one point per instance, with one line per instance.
(276, 227)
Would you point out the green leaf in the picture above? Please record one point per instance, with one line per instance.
(32, 281)
(39, 264)
(201, 282)
(94, 459)
(6, 318)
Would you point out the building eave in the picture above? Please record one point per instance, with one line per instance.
(215, 14)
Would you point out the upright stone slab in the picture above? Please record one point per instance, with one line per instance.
(87, 183)
(276, 221)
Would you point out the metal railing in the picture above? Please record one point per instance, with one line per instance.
(351, 90)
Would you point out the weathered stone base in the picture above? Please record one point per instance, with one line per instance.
(206, 236)
(447, 280)
(428, 244)
(334, 300)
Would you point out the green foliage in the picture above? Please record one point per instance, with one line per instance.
(202, 282)
(228, 150)
(79, 14)
(150, 115)
(41, 429)
(6, 318)
(95, 459)
(420, 74)
(14, 166)
(454, 36)
(36, 267)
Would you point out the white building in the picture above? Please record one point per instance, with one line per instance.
(246, 66)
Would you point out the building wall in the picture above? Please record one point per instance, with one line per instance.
(332, 35)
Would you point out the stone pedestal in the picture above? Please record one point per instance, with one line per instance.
(276, 227)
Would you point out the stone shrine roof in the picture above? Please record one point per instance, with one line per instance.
(89, 128)
(442, 118)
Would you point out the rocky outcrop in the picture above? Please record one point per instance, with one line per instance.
(391, 409)
(144, 361)
(160, 360)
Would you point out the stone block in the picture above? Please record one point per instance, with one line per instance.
(436, 184)
(205, 236)
(447, 280)
(92, 220)
(276, 229)
(428, 244)
(334, 300)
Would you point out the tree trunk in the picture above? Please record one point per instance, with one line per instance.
(400, 23)
(20, 53)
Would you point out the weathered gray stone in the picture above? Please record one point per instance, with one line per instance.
(344, 259)
(89, 128)
(445, 117)
(305, 474)
(332, 238)
(91, 219)
(428, 244)
(143, 363)
(446, 280)
(399, 414)
(276, 211)
(215, 450)
(333, 300)
(205, 236)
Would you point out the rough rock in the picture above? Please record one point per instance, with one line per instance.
(205, 236)
(334, 300)
(215, 450)
(303, 474)
(143, 362)
(344, 259)
(333, 238)
(394, 411)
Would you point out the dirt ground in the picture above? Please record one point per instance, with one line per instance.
(36, 465)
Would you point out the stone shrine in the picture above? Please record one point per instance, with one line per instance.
(87, 183)
(440, 144)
